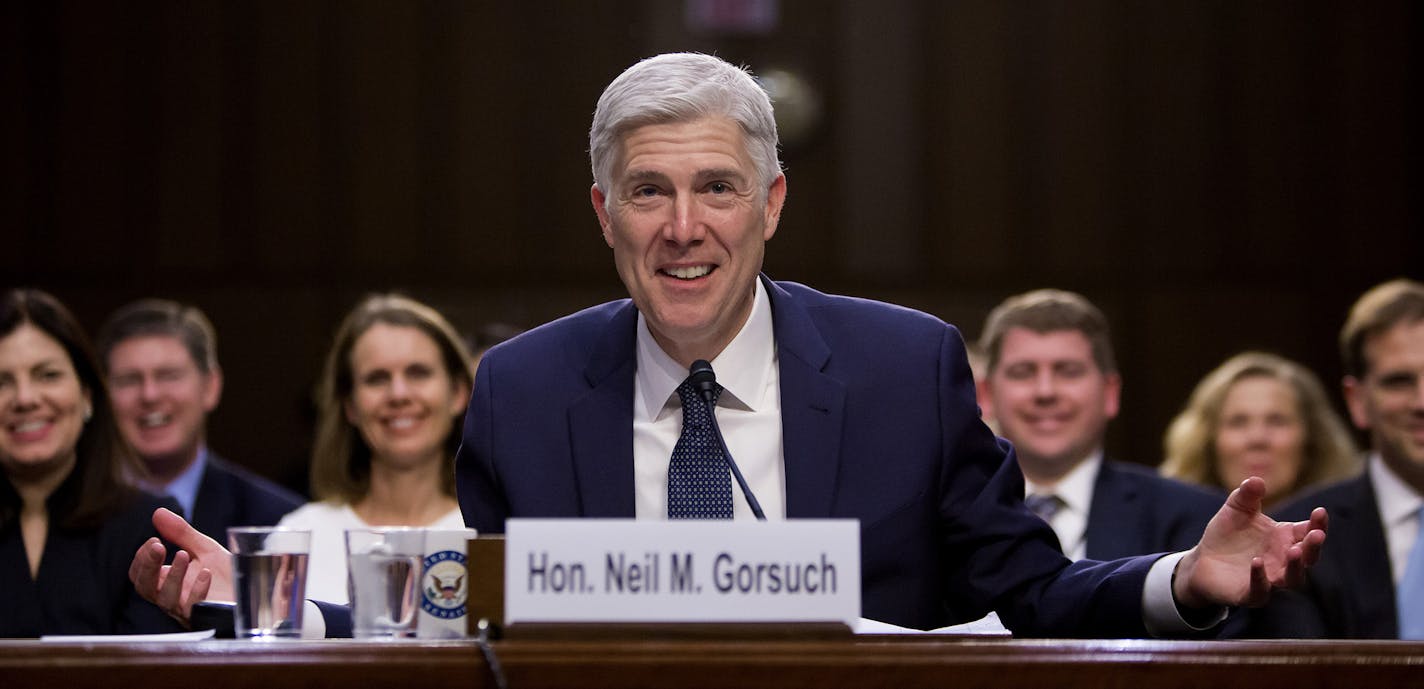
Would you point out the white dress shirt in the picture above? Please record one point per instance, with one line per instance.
(1399, 506)
(748, 412)
(1075, 489)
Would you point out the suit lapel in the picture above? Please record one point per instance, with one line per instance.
(1116, 523)
(1358, 529)
(601, 422)
(212, 504)
(812, 408)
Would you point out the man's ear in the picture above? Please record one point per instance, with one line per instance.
(1354, 391)
(986, 397)
(1112, 395)
(212, 389)
(600, 208)
(775, 199)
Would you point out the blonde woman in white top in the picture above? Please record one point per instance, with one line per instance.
(391, 398)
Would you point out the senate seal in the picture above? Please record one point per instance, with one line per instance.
(445, 585)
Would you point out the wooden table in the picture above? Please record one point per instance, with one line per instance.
(858, 662)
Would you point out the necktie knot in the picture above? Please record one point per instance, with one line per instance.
(1045, 506)
(691, 398)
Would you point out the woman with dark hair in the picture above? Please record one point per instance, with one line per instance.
(70, 520)
(390, 401)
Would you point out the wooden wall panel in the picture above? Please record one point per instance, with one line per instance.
(1216, 175)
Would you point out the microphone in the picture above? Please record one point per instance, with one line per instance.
(704, 380)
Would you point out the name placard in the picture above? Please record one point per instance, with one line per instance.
(621, 570)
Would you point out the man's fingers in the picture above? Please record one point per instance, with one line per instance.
(170, 592)
(1248, 496)
(1294, 574)
(201, 584)
(176, 530)
(1260, 587)
(146, 565)
(1311, 547)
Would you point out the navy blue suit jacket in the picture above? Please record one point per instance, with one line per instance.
(1349, 593)
(1135, 511)
(229, 495)
(879, 424)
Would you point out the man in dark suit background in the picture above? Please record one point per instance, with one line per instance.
(1370, 582)
(833, 406)
(163, 374)
(1051, 383)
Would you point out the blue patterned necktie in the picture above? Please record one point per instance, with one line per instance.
(699, 484)
(1045, 506)
(1409, 600)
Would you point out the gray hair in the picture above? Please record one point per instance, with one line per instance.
(682, 87)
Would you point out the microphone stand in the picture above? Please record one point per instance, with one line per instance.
(736, 472)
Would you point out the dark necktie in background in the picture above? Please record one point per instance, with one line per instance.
(699, 485)
(1045, 506)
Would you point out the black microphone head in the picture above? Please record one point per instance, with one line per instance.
(703, 378)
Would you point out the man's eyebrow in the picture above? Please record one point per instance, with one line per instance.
(722, 173)
(640, 176)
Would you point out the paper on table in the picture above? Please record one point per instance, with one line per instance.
(130, 638)
(989, 625)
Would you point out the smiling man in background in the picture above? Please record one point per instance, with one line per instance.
(1052, 384)
(162, 366)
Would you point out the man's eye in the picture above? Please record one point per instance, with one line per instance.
(645, 192)
(719, 187)
(1397, 382)
(1019, 372)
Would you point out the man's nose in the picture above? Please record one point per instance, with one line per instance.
(685, 226)
(148, 388)
(1044, 385)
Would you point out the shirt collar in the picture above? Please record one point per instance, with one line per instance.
(184, 488)
(742, 367)
(1397, 500)
(1075, 489)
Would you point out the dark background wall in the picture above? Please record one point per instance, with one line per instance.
(1215, 175)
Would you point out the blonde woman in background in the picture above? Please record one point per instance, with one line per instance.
(391, 399)
(1262, 415)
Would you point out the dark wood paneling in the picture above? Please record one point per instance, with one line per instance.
(1216, 175)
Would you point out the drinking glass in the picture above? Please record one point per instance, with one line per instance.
(384, 566)
(269, 566)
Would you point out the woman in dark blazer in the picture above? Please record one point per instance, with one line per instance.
(69, 518)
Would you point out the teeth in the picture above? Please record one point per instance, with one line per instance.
(689, 272)
(29, 426)
(152, 420)
(400, 424)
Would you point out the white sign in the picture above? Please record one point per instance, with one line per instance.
(621, 570)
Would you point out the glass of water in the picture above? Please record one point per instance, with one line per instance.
(269, 566)
(384, 566)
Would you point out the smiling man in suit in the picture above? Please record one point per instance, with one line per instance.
(1052, 385)
(1371, 585)
(161, 360)
(833, 406)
